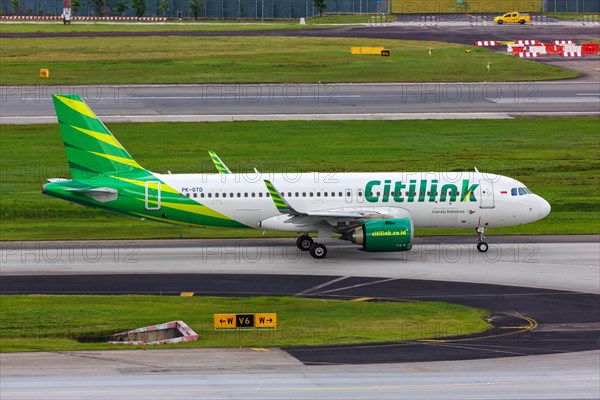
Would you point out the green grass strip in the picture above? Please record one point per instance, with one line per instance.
(556, 158)
(53, 323)
(201, 60)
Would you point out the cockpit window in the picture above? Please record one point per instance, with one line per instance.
(521, 191)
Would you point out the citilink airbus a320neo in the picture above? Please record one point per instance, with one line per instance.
(377, 210)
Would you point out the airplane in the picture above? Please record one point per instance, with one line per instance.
(377, 211)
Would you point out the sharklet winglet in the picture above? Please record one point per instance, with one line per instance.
(219, 164)
(282, 205)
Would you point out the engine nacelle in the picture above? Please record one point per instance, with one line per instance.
(392, 234)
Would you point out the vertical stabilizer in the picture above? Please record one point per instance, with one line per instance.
(91, 149)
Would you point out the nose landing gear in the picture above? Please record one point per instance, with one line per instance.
(482, 246)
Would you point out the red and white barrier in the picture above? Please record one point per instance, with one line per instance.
(485, 43)
(537, 49)
(527, 54)
(572, 54)
(590, 48)
(571, 48)
(555, 42)
(57, 18)
(528, 42)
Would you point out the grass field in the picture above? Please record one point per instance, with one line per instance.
(98, 60)
(556, 158)
(53, 323)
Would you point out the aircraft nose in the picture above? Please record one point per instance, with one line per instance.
(544, 208)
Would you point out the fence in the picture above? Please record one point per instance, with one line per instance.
(574, 6)
(274, 9)
(219, 9)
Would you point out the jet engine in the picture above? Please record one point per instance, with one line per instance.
(391, 234)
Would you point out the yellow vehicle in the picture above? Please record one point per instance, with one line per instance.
(512, 18)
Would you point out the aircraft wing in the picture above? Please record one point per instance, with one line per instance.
(341, 219)
(336, 218)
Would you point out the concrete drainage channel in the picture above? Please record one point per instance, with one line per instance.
(166, 333)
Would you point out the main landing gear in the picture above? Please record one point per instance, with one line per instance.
(481, 245)
(316, 250)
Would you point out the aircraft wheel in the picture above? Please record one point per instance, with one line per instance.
(304, 242)
(482, 247)
(318, 250)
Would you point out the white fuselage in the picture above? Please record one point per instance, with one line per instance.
(430, 199)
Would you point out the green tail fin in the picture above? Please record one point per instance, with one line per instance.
(91, 149)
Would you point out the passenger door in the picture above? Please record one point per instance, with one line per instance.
(486, 194)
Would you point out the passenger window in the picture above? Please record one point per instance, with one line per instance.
(245, 194)
(259, 194)
(187, 195)
(195, 195)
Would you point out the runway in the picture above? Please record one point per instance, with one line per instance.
(567, 263)
(407, 28)
(245, 374)
(549, 284)
(152, 103)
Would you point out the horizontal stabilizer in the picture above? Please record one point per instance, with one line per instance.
(101, 194)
